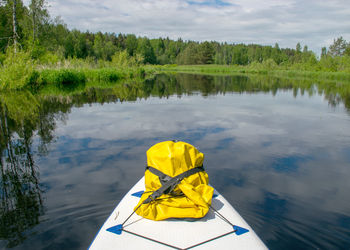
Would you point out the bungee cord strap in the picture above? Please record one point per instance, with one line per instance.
(168, 184)
(121, 227)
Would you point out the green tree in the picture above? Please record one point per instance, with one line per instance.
(56, 36)
(276, 54)
(189, 55)
(206, 53)
(173, 49)
(12, 16)
(159, 50)
(323, 52)
(121, 41)
(145, 49)
(297, 57)
(239, 55)
(103, 49)
(131, 44)
(39, 16)
(338, 47)
(347, 50)
(305, 49)
(5, 25)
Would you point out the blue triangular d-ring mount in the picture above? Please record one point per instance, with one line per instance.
(138, 194)
(240, 230)
(116, 229)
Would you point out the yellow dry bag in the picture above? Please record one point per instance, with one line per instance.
(176, 183)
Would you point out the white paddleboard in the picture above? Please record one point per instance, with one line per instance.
(208, 232)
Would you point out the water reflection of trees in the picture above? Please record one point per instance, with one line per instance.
(21, 201)
(335, 92)
(165, 85)
(22, 116)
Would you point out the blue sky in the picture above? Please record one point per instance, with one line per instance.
(313, 22)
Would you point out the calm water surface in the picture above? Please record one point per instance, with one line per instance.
(278, 150)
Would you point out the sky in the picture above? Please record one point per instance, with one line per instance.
(315, 23)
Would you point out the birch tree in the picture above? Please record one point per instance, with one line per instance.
(9, 19)
(38, 14)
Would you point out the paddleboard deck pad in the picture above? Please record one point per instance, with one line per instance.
(222, 228)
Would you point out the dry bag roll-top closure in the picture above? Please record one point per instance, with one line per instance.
(175, 182)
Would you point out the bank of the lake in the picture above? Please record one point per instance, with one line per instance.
(262, 69)
(20, 71)
(68, 76)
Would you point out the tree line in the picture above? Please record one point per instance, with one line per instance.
(31, 28)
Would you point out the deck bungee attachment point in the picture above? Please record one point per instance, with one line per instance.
(116, 229)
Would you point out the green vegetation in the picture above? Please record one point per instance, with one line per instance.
(83, 75)
(17, 70)
(36, 50)
(62, 76)
(262, 69)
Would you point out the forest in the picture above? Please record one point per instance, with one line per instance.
(30, 34)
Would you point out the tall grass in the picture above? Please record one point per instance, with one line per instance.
(61, 76)
(104, 75)
(19, 70)
(84, 75)
(266, 68)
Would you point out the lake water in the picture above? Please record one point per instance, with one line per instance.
(278, 150)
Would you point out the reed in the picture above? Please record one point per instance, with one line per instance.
(61, 76)
(103, 75)
(271, 70)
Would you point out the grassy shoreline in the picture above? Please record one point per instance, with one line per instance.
(110, 76)
(212, 69)
(37, 77)
(19, 71)
(84, 75)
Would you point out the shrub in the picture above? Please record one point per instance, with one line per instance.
(16, 70)
(122, 59)
(103, 75)
(108, 75)
(62, 76)
(33, 80)
(141, 72)
(49, 58)
(2, 58)
(269, 64)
